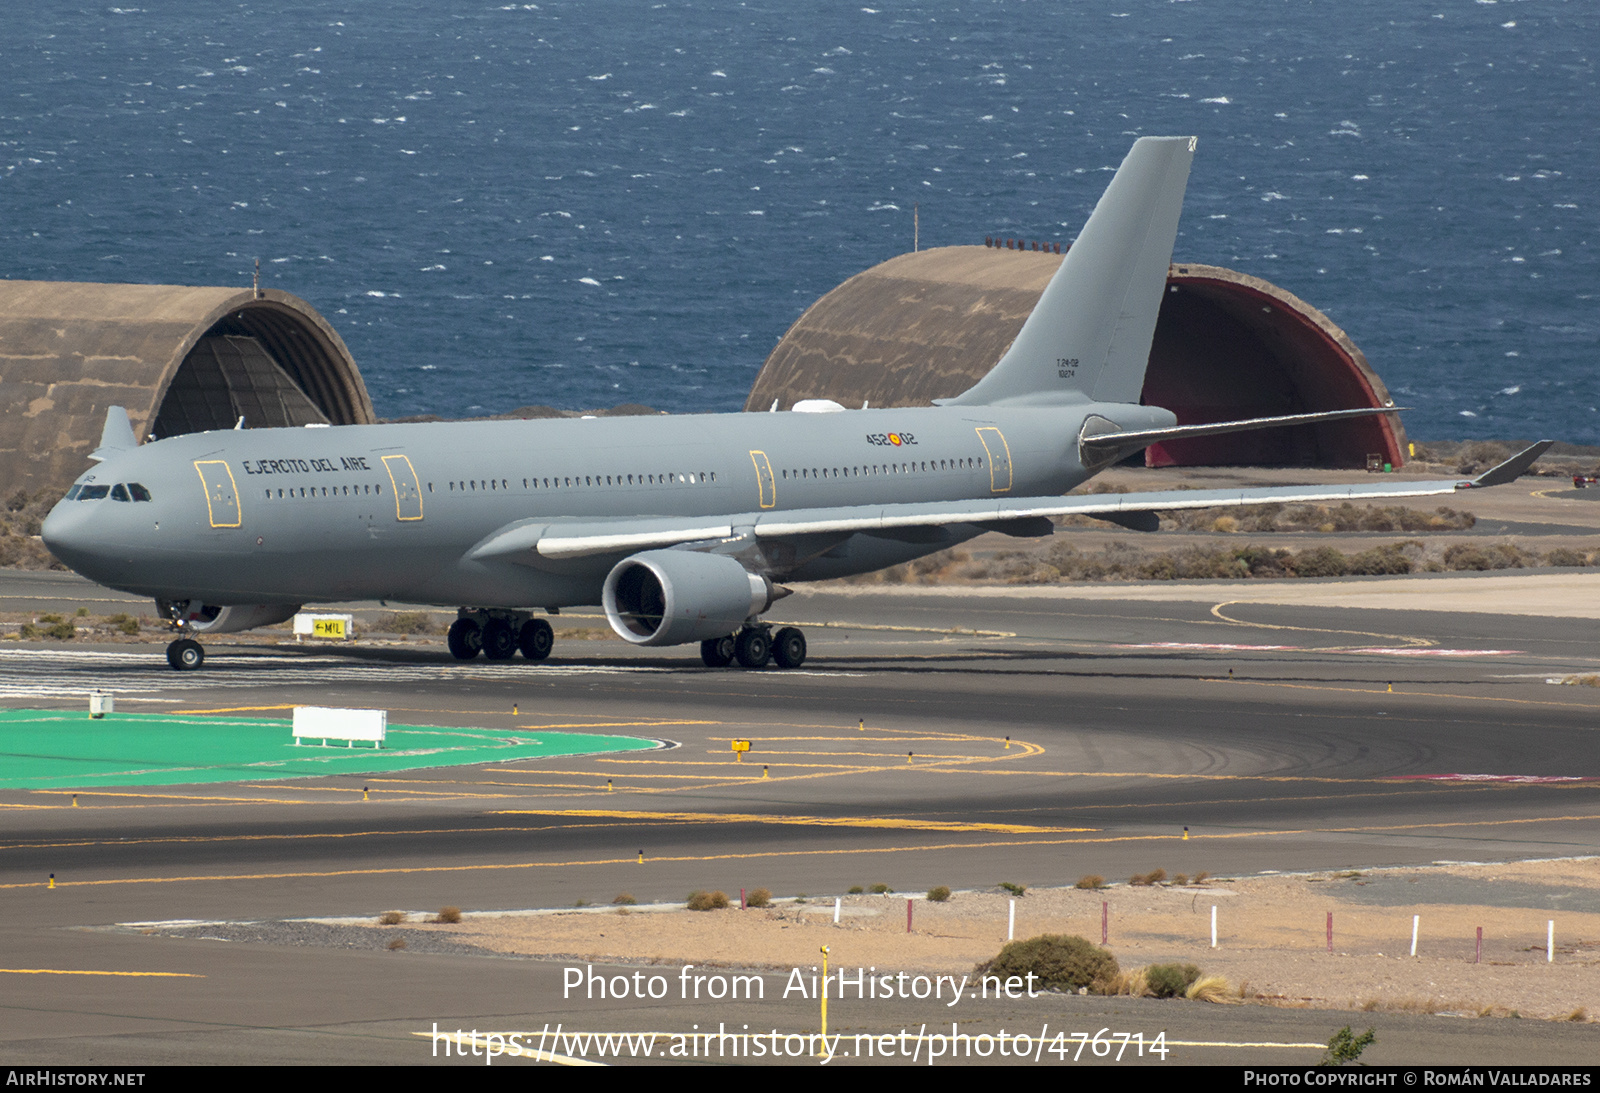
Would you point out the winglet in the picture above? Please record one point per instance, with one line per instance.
(1513, 468)
(117, 436)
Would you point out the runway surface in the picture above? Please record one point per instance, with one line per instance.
(955, 739)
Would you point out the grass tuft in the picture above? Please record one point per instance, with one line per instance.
(1015, 889)
(1210, 988)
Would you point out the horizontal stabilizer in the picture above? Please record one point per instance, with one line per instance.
(1139, 438)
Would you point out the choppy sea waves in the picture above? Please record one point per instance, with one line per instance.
(590, 203)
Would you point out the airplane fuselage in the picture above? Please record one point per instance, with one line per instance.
(392, 512)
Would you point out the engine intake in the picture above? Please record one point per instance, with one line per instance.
(672, 597)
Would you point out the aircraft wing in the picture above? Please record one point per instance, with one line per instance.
(1027, 516)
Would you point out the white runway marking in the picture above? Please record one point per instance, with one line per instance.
(71, 673)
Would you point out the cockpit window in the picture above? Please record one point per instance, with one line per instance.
(139, 492)
(119, 492)
(93, 493)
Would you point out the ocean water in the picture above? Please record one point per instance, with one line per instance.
(589, 203)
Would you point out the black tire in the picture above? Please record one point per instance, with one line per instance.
(789, 647)
(499, 640)
(753, 648)
(717, 652)
(536, 639)
(464, 639)
(185, 655)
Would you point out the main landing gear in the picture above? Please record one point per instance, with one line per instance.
(754, 646)
(498, 635)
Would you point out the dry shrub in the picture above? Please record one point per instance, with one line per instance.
(625, 899)
(391, 918)
(1579, 1014)
(1090, 881)
(880, 889)
(1565, 556)
(1062, 962)
(122, 623)
(1480, 456)
(404, 622)
(707, 901)
(448, 915)
(1201, 877)
(1481, 557)
(1180, 879)
(1171, 980)
(939, 893)
(396, 944)
(759, 897)
(1145, 880)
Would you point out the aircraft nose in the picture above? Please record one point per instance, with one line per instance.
(68, 534)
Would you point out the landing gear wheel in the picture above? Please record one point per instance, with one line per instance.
(789, 647)
(185, 655)
(717, 652)
(499, 640)
(464, 639)
(536, 639)
(753, 647)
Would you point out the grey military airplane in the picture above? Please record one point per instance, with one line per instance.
(684, 528)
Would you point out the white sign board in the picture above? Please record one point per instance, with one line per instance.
(334, 627)
(329, 723)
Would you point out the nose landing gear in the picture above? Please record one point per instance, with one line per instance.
(185, 655)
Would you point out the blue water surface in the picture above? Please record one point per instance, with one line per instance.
(590, 203)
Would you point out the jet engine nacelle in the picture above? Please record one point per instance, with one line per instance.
(203, 618)
(670, 597)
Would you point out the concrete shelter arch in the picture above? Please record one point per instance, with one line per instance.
(68, 350)
(1227, 345)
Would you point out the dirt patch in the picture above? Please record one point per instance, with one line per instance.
(1272, 935)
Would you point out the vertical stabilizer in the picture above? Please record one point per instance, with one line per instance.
(1089, 335)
